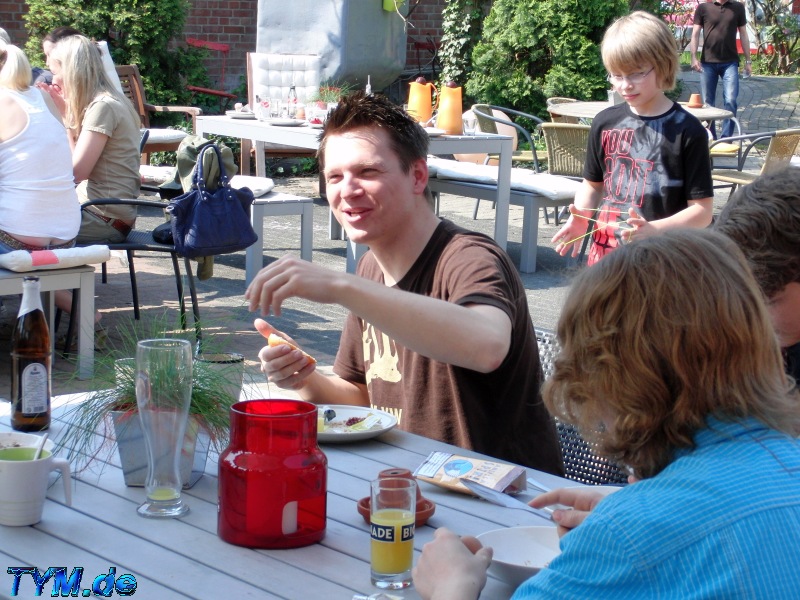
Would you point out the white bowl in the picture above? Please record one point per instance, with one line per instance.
(520, 552)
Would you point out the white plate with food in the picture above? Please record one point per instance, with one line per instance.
(351, 423)
(433, 132)
(238, 114)
(287, 122)
(520, 552)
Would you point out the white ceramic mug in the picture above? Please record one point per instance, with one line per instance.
(23, 483)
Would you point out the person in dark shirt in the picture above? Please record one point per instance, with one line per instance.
(763, 218)
(719, 22)
(647, 164)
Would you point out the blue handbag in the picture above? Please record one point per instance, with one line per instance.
(207, 223)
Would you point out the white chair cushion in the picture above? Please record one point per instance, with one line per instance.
(63, 258)
(273, 75)
(554, 187)
(153, 175)
(165, 136)
(260, 186)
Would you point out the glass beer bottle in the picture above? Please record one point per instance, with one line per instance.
(292, 102)
(30, 363)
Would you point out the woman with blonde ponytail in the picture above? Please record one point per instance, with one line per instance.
(104, 134)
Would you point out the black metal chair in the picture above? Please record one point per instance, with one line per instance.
(581, 463)
(142, 240)
(489, 117)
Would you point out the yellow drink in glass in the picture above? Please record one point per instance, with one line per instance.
(163, 493)
(392, 544)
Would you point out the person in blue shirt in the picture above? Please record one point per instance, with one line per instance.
(667, 347)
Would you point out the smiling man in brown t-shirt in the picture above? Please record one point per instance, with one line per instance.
(439, 331)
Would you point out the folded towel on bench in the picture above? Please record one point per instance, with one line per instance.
(62, 258)
(553, 187)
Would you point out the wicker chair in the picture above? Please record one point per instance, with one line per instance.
(580, 462)
(566, 148)
(566, 154)
(782, 146)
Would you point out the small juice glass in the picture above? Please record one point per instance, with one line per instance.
(392, 514)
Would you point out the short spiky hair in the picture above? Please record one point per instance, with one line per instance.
(660, 335)
(408, 140)
(763, 218)
(638, 39)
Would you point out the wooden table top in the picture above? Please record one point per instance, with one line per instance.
(184, 558)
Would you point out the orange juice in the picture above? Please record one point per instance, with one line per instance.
(392, 533)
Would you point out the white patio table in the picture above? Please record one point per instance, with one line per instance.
(184, 558)
(308, 137)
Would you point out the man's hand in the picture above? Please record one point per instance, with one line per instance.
(291, 277)
(283, 365)
(451, 567)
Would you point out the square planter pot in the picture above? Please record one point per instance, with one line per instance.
(133, 454)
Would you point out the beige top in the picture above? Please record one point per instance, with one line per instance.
(116, 173)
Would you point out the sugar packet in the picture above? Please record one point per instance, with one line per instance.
(446, 470)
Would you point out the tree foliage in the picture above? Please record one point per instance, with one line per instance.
(533, 49)
(777, 36)
(142, 32)
(461, 29)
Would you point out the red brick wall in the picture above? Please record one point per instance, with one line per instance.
(426, 18)
(11, 20)
(233, 22)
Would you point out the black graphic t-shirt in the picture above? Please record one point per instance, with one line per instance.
(653, 164)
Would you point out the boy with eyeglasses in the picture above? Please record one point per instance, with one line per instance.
(647, 165)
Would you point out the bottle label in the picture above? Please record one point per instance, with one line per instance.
(33, 389)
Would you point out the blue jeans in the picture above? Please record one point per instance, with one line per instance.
(730, 89)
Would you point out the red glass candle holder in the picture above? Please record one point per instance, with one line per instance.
(272, 476)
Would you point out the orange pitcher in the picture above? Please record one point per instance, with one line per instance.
(420, 103)
(450, 109)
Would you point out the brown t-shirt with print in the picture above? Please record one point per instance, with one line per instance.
(500, 413)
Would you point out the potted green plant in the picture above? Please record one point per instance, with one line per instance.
(330, 91)
(110, 409)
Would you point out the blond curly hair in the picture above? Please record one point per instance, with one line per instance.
(657, 337)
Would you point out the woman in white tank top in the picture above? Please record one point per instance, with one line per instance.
(39, 207)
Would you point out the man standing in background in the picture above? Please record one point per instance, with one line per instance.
(719, 22)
